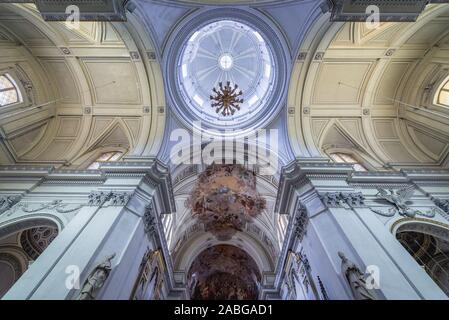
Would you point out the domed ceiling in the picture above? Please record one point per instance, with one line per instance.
(220, 52)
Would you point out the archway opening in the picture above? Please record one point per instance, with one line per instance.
(20, 248)
(430, 251)
(224, 272)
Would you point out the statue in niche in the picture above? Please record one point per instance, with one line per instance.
(96, 279)
(356, 279)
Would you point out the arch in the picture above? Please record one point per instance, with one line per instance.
(130, 95)
(370, 100)
(252, 18)
(22, 242)
(13, 264)
(9, 91)
(183, 231)
(422, 225)
(198, 242)
(224, 272)
(16, 225)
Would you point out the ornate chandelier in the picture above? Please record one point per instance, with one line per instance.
(226, 99)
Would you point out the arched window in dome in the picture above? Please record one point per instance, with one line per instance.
(443, 94)
(9, 93)
(347, 158)
(105, 157)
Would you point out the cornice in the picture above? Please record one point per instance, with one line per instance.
(299, 172)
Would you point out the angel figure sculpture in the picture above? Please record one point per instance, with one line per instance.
(399, 199)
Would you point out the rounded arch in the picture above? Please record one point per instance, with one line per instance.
(443, 86)
(198, 242)
(422, 225)
(340, 75)
(224, 271)
(19, 224)
(84, 99)
(87, 159)
(22, 241)
(13, 263)
(428, 243)
(265, 230)
(255, 20)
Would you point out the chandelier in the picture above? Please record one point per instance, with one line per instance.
(226, 99)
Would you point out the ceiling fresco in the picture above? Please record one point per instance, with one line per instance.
(225, 198)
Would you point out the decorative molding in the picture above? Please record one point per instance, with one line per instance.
(134, 55)
(301, 222)
(305, 271)
(390, 52)
(322, 289)
(443, 205)
(111, 198)
(400, 199)
(151, 55)
(318, 56)
(149, 219)
(343, 200)
(65, 50)
(7, 202)
(302, 56)
(55, 205)
(406, 219)
(120, 198)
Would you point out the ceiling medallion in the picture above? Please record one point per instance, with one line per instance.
(225, 199)
(226, 99)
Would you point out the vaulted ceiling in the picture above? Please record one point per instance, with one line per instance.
(100, 88)
(370, 91)
(95, 88)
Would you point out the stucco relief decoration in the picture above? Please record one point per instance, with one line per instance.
(301, 223)
(149, 220)
(55, 206)
(225, 199)
(7, 202)
(400, 201)
(344, 199)
(444, 206)
(111, 198)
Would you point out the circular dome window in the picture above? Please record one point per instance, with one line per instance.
(225, 51)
